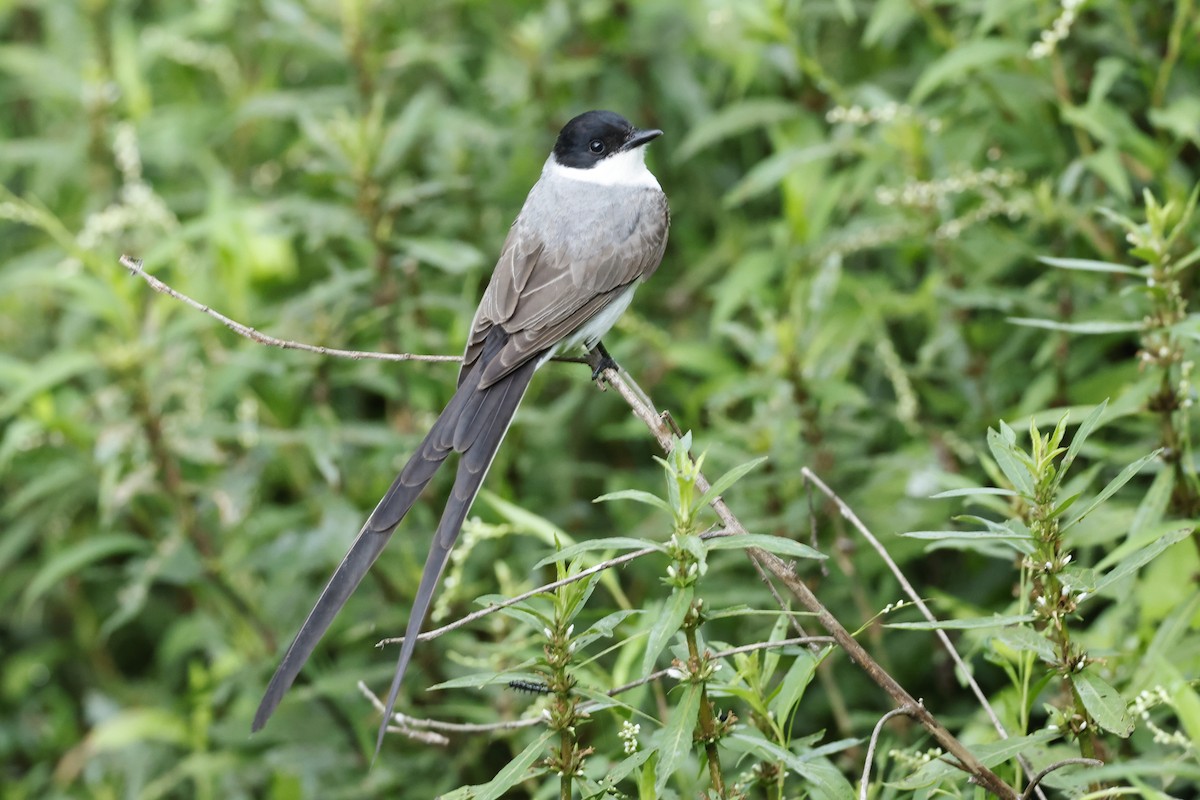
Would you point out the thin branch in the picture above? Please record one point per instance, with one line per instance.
(413, 727)
(750, 648)
(866, 776)
(546, 587)
(779, 601)
(1037, 779)
(405, 724)
(409, 725)
(746, 648)
(134, 265)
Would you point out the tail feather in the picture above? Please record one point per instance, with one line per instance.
(370, 542)
(477, 436)
(473, 423)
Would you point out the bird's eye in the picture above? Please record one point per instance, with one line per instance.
(596, 146)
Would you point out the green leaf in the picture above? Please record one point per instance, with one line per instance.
(889, 19)
(768, 173)
(666, 625)
(779, 545)
(958, 64)
(1123, 771)
(791, 688)
(619, 771)
(1022, 638)
(824, 781)
(971, 491)
(603, 628)
(1153, 508)
(1088, 265)
(535, 620)
(1103, 702)
(1094, 327)
(75, 558)
(721, 484)
(675, 739)
(478, 680)
(637, 496)
(1112, 488)
(589, 545)
(528, 522)
(779, 632)
(733, 120)
(454, 257)
(28, 380)
(1005, 529)
(942, 535)
(997, 621)
(514, 772)
(1132, 563)
(138, 727)
(1106, 163)
(572, 597)
(1005, 452)
(1180, 118)
(1085, 429)
(645, 782)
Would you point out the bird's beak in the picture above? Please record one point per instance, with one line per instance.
(640, 138)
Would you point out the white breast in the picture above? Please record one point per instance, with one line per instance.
(591, 331)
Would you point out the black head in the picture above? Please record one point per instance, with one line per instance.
(595, 135)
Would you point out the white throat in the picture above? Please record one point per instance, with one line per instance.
(626, 168)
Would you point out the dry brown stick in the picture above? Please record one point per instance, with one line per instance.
(134, 265)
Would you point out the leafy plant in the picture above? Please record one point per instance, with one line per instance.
(894, 223)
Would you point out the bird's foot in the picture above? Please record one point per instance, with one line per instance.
(600, 361)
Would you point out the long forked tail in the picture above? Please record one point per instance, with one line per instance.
(473, 423)
(478, 434)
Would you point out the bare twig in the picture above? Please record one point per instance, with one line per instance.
(546, 587)
(409, 725)
(405, 724)
(1037, 779)
(746, 648)
(866, 776)
(134, 265)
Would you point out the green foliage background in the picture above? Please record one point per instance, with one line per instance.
(860, 192)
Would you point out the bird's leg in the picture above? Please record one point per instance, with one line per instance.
(599, 360)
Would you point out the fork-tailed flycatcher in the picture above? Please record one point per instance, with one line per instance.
(593, 227)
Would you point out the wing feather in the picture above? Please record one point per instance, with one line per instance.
(542, 292)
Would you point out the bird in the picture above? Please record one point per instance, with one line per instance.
(592, 229)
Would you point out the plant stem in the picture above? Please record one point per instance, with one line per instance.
(707, 721)
(565, 747)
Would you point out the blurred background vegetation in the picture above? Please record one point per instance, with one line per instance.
(860, 191)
